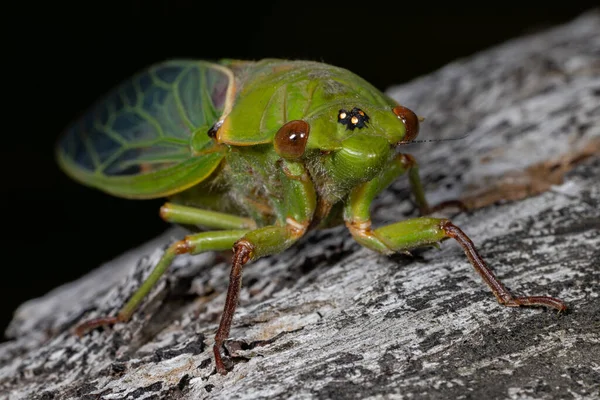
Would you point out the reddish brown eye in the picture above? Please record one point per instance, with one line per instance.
(410, 120)
(291, 138)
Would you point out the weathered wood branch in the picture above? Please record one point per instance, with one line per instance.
(360, 325)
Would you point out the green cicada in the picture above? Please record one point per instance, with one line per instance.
(256, 154)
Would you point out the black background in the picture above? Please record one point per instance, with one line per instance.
(61, 57)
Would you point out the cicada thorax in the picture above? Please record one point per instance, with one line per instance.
(254, 183)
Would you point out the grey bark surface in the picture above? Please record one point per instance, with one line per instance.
(355, 324)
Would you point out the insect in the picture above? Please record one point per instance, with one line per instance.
(256, 154)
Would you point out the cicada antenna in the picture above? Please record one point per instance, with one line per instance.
(421, 119)
(433, 140)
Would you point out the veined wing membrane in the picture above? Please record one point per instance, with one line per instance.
(137, 141)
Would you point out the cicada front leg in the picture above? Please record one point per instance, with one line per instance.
(300, 206)
(424, 231)
(255, 244)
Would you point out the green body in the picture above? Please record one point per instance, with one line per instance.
(255, 154)
(237, 171)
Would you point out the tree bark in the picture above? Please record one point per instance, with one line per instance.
(329, 319)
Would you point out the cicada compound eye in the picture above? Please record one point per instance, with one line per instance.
(410, 120)
(291, 138)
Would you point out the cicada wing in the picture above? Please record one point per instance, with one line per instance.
(137, 142)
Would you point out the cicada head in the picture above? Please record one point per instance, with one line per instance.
(351, 143)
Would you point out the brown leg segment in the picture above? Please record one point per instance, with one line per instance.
(242, 252)
(502, 294)
(91, 324)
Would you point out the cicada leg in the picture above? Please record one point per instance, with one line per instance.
(423, 231)
(300, 205)
(234, 227)
(192, 244)
(255, 244)
(418, 232)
